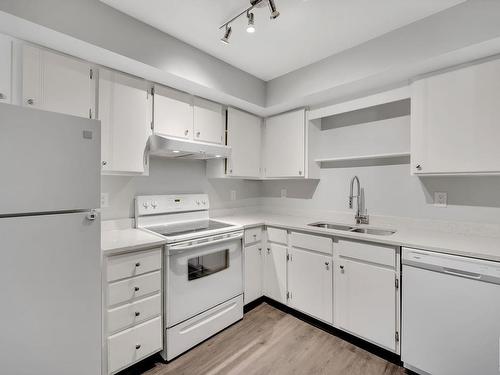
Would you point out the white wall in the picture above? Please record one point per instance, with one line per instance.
(168, 176)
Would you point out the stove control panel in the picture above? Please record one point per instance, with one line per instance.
(162, 204)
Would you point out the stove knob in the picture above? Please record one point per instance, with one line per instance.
(145, 205)
(198, 203)
(204, 202)
(154, 204)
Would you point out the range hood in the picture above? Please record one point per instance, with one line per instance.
(169, 147)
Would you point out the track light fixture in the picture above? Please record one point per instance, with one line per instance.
(227, 34)
(272, 9)
(250, 26)
(250, 17)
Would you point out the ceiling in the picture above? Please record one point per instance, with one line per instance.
(306, 31)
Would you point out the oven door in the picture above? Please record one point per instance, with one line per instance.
(202, 274)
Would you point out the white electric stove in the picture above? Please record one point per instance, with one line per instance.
(203, 268)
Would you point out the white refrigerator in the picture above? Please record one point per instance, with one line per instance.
(50, 259)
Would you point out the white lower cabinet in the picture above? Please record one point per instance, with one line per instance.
(253, 272)
(367, 293)
(310, 283)
(275, 267)
(133, 344)
(133, 324)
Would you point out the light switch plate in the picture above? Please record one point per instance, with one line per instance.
(104, 200)
(233, 195)
(440, 199)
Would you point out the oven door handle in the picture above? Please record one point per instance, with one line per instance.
(177, 249)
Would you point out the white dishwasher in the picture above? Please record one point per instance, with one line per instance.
(451, 314)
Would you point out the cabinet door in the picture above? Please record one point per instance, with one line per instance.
(57, 83)
(125, 114)
(310, 283)
(5, 69)
(208, 121)
(284, 145)
(253, 272)
(172, 113)
(455, 121)
(275, 272)
(244, 133)
(365, 301)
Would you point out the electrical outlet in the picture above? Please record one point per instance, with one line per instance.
(440, 199)
(283, 193)
(233, 195)
(104, 200)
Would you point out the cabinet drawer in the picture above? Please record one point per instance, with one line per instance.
(134, 313)
(253, 235)
(311, 242)
(129, 289)
(133, 344)
(276, 235)
(128, 265)
(368, 252)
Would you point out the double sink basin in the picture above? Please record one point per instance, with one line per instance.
(348, 228)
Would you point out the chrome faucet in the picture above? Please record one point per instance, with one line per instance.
(359, 217)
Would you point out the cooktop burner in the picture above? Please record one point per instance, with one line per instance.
(179, 229)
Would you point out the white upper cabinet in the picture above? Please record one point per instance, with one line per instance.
(5, 69)
(310, 283)
(125, 112)
(208, 121)
(173, 113)
(244, 134)
(57, 83)
(284, 145)
(454, 121)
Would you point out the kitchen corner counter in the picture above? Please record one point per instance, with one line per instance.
(468, 245)
(129, 239)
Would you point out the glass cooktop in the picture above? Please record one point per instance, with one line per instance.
(179, 229)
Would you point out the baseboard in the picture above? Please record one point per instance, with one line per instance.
(369, 347)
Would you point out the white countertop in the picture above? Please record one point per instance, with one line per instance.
(128, 239)
(469, 245)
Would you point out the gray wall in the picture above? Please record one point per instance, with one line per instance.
(174, 177)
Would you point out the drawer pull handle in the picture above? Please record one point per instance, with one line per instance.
(136, 288)
(137, 313)
(138, 264)
(138, 346)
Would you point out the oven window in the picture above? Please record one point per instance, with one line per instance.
(208, 264)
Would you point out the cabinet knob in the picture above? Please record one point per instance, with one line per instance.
(104, 162)
(2, 96)
(198, 134)
(186, 132)
(327, 264)
(300, 173)
(342, 269)
(260, 250)
(30, 101)
(138, 264)
(268, 251)
(137, 313)
(138, 346)
(418, 167)
(136, 288)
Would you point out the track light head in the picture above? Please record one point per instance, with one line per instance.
(272, 9)
(227, 34)
(250, 26)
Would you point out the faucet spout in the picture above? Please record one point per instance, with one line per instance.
(360, 218)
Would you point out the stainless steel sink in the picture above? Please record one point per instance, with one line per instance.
(348, 228)
(331, 226)
(376, 232)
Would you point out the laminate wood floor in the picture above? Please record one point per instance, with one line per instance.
(269, 341)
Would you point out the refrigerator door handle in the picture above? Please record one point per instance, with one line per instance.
(92, 215)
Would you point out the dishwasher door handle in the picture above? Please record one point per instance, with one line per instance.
(455, 272)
